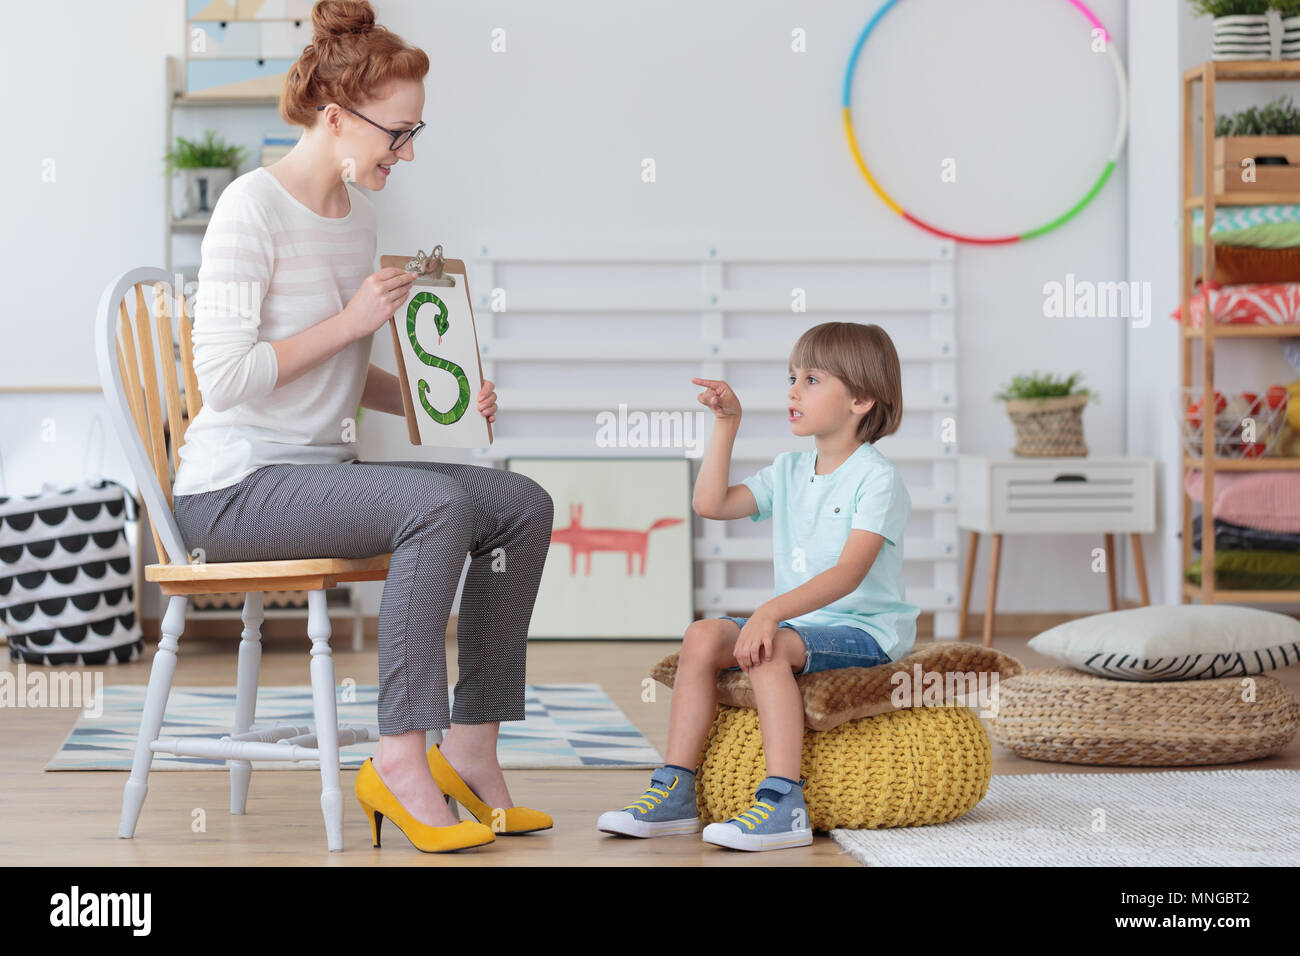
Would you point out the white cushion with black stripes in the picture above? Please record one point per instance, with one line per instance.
(1175, 642)
(66, 579)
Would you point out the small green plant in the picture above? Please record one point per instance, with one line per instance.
(1231, 8)
(1278, 118)
(1043, 386)
(210, 153)
(1288, 8)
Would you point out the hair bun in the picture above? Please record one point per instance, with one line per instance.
(337, 18)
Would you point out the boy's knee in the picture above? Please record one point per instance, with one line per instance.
(703, 639)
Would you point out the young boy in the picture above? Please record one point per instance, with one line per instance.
(838, 510)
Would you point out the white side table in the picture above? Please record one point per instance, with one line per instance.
(1053, 496)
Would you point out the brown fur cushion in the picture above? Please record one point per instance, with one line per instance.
(832, 697)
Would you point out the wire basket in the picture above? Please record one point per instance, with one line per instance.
(1232, 424)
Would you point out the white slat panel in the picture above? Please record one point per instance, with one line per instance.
(557, 400)
(660, 300)
(744, 449)
(685, 279)
(760, 549)
(668, 350)
(569, 250)
(741, 600)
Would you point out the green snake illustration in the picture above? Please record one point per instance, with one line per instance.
(441, 324)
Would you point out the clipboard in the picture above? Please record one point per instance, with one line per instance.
(441, 290)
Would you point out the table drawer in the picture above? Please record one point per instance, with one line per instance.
(1067, 498)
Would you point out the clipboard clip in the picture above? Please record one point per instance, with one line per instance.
(429, 268)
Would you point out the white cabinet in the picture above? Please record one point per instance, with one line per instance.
(1056, 495)
(1100, 496)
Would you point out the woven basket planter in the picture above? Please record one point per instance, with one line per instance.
(900, 769)
(1069, 716)
(1049, 427)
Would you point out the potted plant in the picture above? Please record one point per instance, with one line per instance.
(1047, 414)
(200, 171)
(1241, 27)
(1259, 148)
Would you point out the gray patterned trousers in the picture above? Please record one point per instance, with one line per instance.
(429, 515)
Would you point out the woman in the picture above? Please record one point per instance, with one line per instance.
(268, 469)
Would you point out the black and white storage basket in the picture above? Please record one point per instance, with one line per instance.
(67, 589)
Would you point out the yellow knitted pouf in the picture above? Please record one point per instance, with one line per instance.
(900, 769)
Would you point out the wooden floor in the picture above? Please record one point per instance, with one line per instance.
(69, 818)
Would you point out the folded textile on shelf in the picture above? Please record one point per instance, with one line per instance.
(1236, 537)
(1251, 570)
(1267, 500)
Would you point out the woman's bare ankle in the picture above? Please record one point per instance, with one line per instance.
(417, 792)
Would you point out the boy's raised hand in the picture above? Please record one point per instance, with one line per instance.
(719, 397)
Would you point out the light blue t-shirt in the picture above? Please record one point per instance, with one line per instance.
(811, 518)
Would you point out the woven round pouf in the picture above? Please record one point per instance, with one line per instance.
(1069, 716)
(900, 769)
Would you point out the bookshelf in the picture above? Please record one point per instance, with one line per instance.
(1208, 74)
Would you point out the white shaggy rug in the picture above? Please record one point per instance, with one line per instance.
(1171, 818)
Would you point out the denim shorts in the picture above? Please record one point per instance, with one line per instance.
(830, 647)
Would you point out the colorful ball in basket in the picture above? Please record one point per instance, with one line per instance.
(1121, 132)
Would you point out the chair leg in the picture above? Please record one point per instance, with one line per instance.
(971, 552)
(250, 661)
(995, 561)
(155, 706)
(327, 717)
(358, 622)
(1140, 564)
(1110, 572)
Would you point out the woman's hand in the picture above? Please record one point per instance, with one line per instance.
(380, 296)
(719, 397)
(755, 642)
(487, 402)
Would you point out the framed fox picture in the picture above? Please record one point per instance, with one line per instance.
(621, 562)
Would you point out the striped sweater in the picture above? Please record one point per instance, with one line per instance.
(271, 268)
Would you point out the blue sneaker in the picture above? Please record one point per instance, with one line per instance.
(667, 806)
(778, 818)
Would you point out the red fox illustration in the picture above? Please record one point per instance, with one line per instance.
(586, 540)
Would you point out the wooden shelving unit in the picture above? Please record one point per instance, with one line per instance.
(176, 99)
(1208, 74)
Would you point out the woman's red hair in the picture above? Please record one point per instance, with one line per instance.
(349, 61)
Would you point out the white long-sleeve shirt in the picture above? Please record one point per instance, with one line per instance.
(271, 268)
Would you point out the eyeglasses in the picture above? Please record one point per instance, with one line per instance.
(400, 136)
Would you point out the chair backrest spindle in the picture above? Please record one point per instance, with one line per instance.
(171, 392)
(126, 353)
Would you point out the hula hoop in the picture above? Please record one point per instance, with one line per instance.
(1121, 132)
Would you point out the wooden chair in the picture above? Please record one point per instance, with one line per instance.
(131, 388)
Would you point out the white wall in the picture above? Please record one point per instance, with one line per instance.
(550, 136)
(1154, 224)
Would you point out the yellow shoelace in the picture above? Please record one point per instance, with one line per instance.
(754, 813)
(644, 803)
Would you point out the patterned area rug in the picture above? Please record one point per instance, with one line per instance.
(565, 725)
(1178, 818)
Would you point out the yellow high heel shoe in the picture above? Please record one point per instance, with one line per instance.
(517, 820)
(378, 802)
